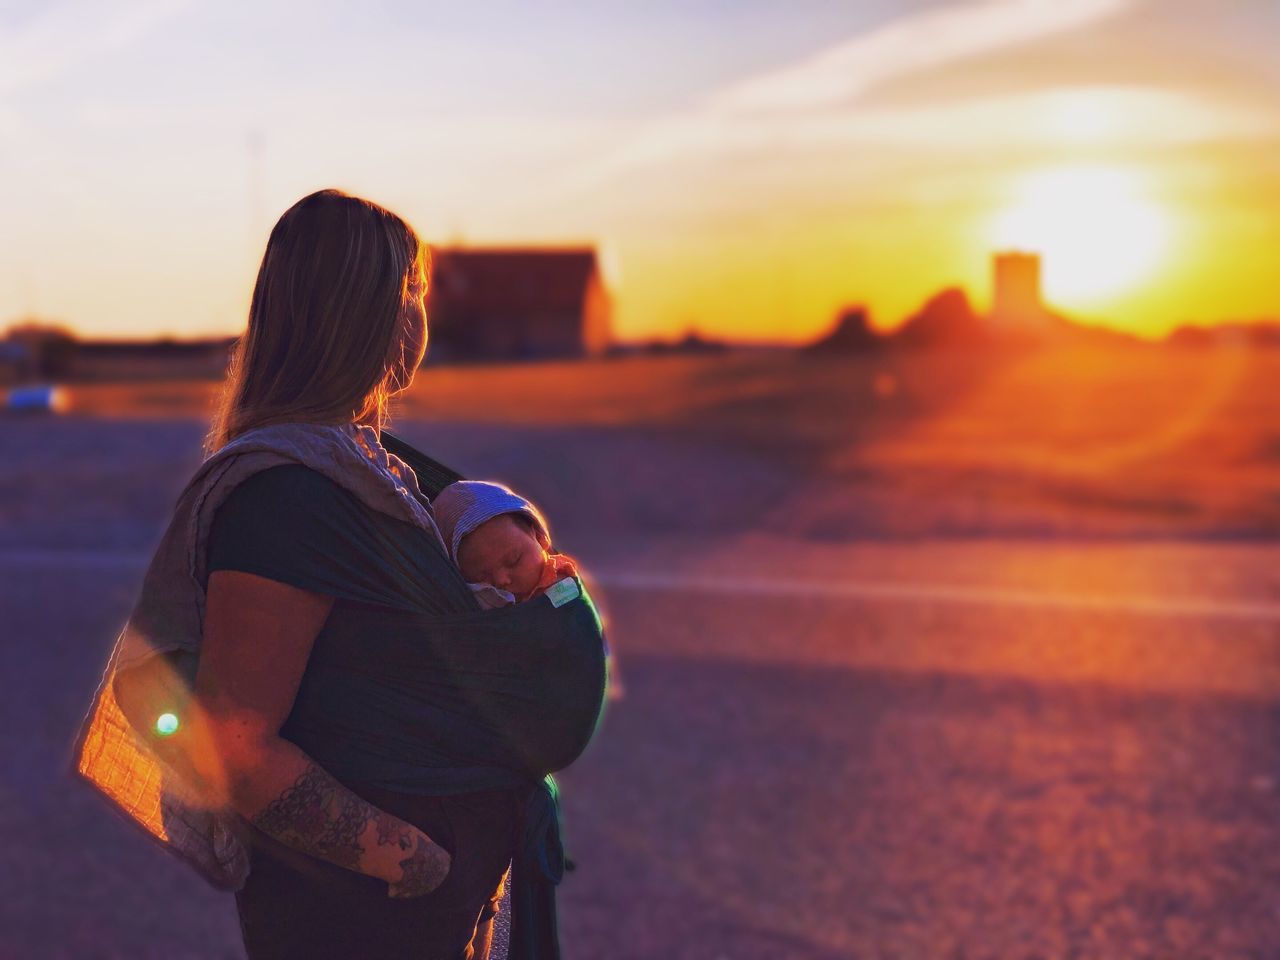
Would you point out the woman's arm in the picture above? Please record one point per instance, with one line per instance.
(258, 635)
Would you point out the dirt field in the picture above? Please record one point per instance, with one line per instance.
(1137, 442)
(941, 657)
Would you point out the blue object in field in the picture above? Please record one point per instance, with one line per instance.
(42, 398)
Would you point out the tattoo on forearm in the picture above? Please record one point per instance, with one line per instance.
(391, 830)
(318, 816)
(423, 871)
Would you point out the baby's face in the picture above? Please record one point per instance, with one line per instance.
(503, 552)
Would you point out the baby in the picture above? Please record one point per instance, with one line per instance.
(500, 541)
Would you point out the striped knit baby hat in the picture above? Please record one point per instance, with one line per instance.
(465, 504)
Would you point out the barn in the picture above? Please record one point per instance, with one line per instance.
(516, 303)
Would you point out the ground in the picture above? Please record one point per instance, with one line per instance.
(942, 657)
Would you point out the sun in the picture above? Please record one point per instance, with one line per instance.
(1096, 231)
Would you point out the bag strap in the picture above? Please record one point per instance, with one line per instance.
(433, 476)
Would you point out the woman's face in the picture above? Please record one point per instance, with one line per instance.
(413, 324)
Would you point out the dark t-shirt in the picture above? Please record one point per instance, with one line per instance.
(293, 524)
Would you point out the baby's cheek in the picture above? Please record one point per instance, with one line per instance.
(533, 573)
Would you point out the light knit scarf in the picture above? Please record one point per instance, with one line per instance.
(169, 616)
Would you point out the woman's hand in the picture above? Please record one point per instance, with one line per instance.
(423, 871)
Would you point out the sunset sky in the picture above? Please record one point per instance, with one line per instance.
(746, 167)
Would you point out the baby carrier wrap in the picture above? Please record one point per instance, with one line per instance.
(457, 700)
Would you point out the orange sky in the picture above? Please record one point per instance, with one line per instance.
(745, 172)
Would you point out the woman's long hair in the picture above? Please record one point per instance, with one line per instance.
(334, 326)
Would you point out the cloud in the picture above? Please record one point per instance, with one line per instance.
(1106, 115)
(913, 44)
(759, 111)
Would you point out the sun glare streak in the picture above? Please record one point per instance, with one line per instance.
(175, 730)
(1096, 230)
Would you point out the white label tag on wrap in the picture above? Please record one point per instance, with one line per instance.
(562, 591)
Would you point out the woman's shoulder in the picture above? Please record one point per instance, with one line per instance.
(287, 492)
(287, 482)
(294, 524)
(290, 500)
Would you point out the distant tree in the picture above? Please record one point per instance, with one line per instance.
(52, 347)
(852, 333)
(1231, 333)
(694, 342)
(947, 319)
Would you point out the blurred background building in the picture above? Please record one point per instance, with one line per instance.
(517, 303)
(1016, 305)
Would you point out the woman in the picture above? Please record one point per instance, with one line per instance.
(342, 716)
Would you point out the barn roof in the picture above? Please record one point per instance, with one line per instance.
(506, 277)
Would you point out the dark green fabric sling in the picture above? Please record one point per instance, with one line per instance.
(463, 701)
